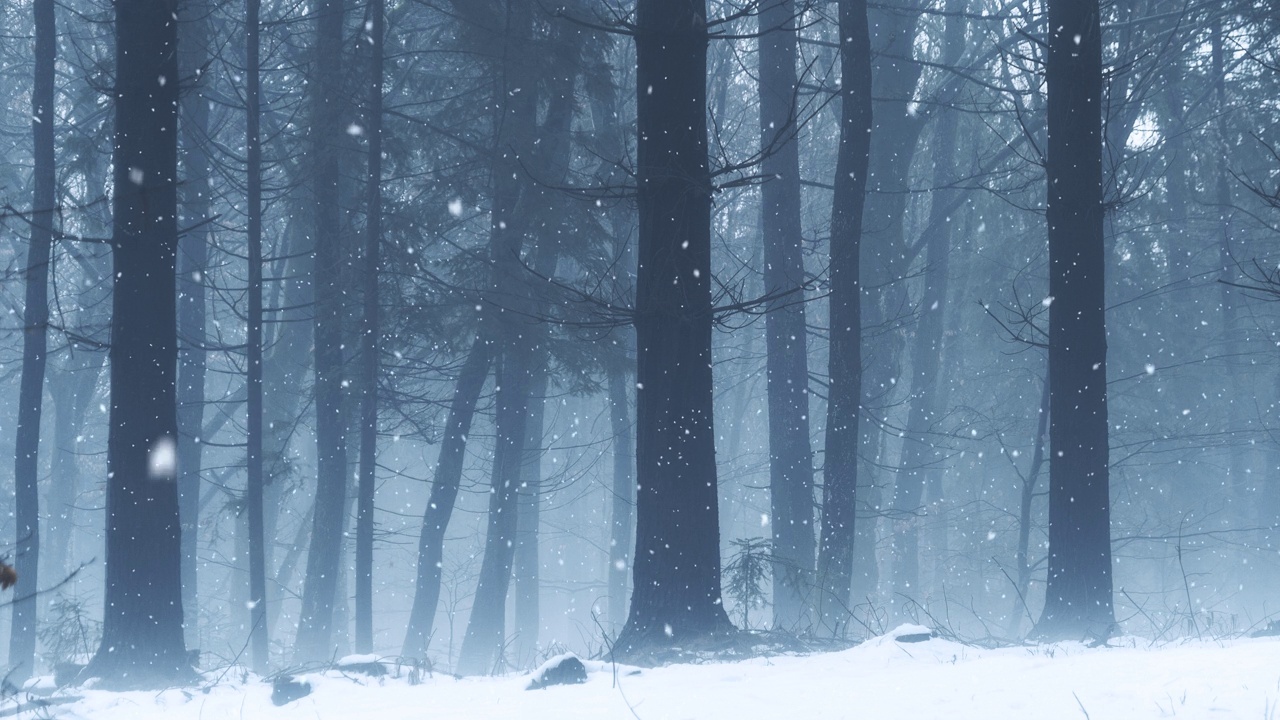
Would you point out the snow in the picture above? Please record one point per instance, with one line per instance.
(881, 678)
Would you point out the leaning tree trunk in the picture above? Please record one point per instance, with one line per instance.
(676, 573)
(1078, 600)
(193, 261)
(35, 322)
(787, 364)
(444, 493)
(840, 466)
(315, 622)
(142, 643)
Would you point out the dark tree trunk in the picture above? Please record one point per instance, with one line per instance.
(315, 623)
(840, 465)
(787, 364)
(193, 261)
(677, 597)
(35, 323)
(1078, 594)
(257, 604)
(370, 345)
(444, 493)
(142, 643)
(920, 453)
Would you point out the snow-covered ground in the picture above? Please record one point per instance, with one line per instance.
(878, 679)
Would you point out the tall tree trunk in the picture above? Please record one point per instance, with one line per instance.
(444, 493)
(919, 451)
(193, 261)
(142, 630)
(840, 465)
(787, 364)
(370, 345)
(677, 596)
(258, 631)
(315, 623)
(1078, 594)
(35, 323)
(1022, 557)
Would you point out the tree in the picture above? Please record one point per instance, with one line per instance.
(195, 195)
(254, 477)
(840, 465)
(1078, 594)
(35, 324)
(142, 642)
(327, 131)
(787, 363)
(676, 571)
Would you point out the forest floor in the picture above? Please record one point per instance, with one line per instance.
(882, 678)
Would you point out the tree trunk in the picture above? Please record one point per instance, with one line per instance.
(444, 493)
(324, 556)
(1078, 594)
(370, 344)
(142, 642)
(258, 631)
(623, 502)
(919, 451)
(527, 570)
(677, 596)
(71, 399)
(787, 364)
(840, 465)
(35, 323)
(193, 261)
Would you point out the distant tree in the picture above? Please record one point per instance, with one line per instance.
(142, 631)
(1078, 601)
(676, 567)
(35, 325)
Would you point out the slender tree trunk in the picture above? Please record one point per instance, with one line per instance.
(370, 345)
(258, 631)
(142, 642)
(315, 626)
(840, 465)
(919, 450)
(193, 261)
(1028, 495)
(444, 493)
(622, 503)
(787, 364)
(35, 322)
(71, 400)
(677, 596)
(527, 571)
(1078, 594)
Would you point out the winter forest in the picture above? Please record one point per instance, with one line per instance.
(452, 336)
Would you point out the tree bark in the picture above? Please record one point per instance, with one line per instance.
(676, 572)
(791, 500)
(1078, 600)
(35, 324)
(840, 465)
(142, 630)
